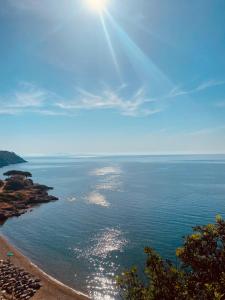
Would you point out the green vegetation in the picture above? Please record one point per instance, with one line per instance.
(8, 158)
(200, 275)
(18, 173)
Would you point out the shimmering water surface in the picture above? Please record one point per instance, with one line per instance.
(110, 208)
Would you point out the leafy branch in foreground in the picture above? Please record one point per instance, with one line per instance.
(200, 276)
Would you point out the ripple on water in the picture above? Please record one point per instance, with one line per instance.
(110, 183)
(71, 199)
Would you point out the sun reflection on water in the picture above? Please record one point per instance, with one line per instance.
(101, 253)
(109, 170)
(97, 199)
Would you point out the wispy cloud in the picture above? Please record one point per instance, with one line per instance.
(29, 95)
(179, 91)
(205, 131)
(29, 98)
(209, 84)
(136, 105)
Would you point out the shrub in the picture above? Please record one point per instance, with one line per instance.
(200, 275)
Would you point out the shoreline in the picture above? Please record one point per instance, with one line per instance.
(52, 288)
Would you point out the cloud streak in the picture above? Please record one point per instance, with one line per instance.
(178, 91)
(136, 105)
(206, 131)
(29, 98)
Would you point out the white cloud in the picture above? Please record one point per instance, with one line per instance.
(178, 91)
(136, 105)
(209, 84)
(7, 111)
(29, 98)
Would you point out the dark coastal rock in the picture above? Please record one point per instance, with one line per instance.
(18, 194)
(42, 187)
(8, 158)
(3, 216)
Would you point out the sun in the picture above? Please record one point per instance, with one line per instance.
(97, 5)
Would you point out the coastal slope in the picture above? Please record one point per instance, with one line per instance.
(9, 158)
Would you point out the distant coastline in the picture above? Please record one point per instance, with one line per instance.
(9, 158)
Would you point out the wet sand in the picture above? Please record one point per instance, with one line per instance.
(51, 288)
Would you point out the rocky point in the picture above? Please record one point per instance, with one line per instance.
(18, 193)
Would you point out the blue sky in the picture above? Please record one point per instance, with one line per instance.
(143, 76)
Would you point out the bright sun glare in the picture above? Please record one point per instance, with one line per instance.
(97, 5)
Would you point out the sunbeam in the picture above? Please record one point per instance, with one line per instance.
(142, 64)
(116, 64)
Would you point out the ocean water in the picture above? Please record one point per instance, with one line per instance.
(110, 208)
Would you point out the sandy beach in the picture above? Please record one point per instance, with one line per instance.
(51, 288)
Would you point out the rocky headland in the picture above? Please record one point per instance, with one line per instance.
(18, 194)
(9, 158)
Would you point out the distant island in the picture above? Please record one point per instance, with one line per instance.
(18, 193)
(9, 158)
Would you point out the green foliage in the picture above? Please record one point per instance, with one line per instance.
(18, 173)
(200, 275)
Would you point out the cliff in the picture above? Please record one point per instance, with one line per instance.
(8, 158)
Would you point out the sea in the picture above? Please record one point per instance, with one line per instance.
(109, 209)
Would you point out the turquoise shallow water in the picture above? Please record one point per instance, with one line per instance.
(110, 208)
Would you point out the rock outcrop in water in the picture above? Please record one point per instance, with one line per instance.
(18, 194)
(8, 158)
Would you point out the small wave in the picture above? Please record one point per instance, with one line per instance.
(72, 199)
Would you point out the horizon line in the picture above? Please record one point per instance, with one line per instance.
(114, 154)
